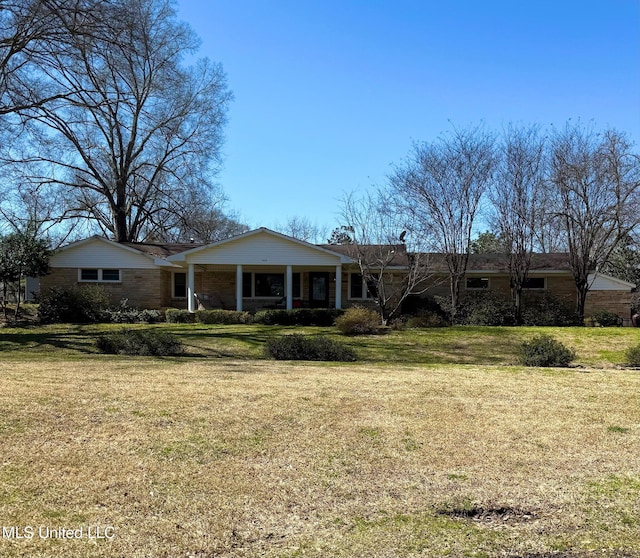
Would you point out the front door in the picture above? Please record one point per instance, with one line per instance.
(319, 289)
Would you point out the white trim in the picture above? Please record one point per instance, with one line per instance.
(239, 288)
(191, 290)
(288, 287)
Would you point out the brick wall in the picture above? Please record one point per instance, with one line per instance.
(618, 302)
(144, 288)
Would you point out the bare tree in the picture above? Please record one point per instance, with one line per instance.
(387, 255)
(516, 196)
(303, 228)
(132, 135)
(596, 183)
(440, 186)
(205, 224)
(28, 29)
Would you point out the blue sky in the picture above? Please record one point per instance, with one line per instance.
(329, 94)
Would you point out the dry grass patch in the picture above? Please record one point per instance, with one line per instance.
(240, 458)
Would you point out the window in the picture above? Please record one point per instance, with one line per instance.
(111, 275)
(88, 275)
(360, 288)
(477, 283)
(179, 285)
(100, 275)
(534, 283)
(269, 285)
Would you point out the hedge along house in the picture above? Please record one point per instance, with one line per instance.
(266, 269)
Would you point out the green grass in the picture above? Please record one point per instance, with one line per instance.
(596, 347)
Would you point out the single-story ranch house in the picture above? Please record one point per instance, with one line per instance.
(263, 268)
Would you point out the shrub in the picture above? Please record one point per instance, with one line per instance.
(322, 317)
(606, 319)
(274, 317)
(632, 355)
(305, 347)
(427, 318)
(485, 309)
(544, 350)
(359, 320)
(140, 343)
(176, 316)
(125, 314)
(76, 305)
(545, 310)
(222, 317)
(415, 305)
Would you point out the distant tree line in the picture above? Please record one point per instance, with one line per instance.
(573, 189)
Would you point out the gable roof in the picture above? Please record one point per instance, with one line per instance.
(247, 236)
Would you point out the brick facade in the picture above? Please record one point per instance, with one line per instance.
(618, 302)
(145, 288)
(152, 288)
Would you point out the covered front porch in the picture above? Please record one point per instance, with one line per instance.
(260, 269)
(250, 287)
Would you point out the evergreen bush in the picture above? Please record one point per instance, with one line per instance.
(485, 309)
(306, 347)
(139, 343)
(321, 317)
(427, 318)
(125, 314)
(606, 319)
(546, 310)
(222, 317)
(85, 304)
(632, 355)
(544, 350)
(177, 316)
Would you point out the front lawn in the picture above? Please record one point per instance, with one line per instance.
(223, 457)
(596, 347)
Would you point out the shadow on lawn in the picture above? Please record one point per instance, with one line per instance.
(434, 346)
(38, 340)
(200, 342)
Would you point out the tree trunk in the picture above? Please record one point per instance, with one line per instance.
(581, 302)
(517, 306)
(455, 297)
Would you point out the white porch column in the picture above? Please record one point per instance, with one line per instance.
(339, 287)
(191, 292)
(239, 288)
(289, 283)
